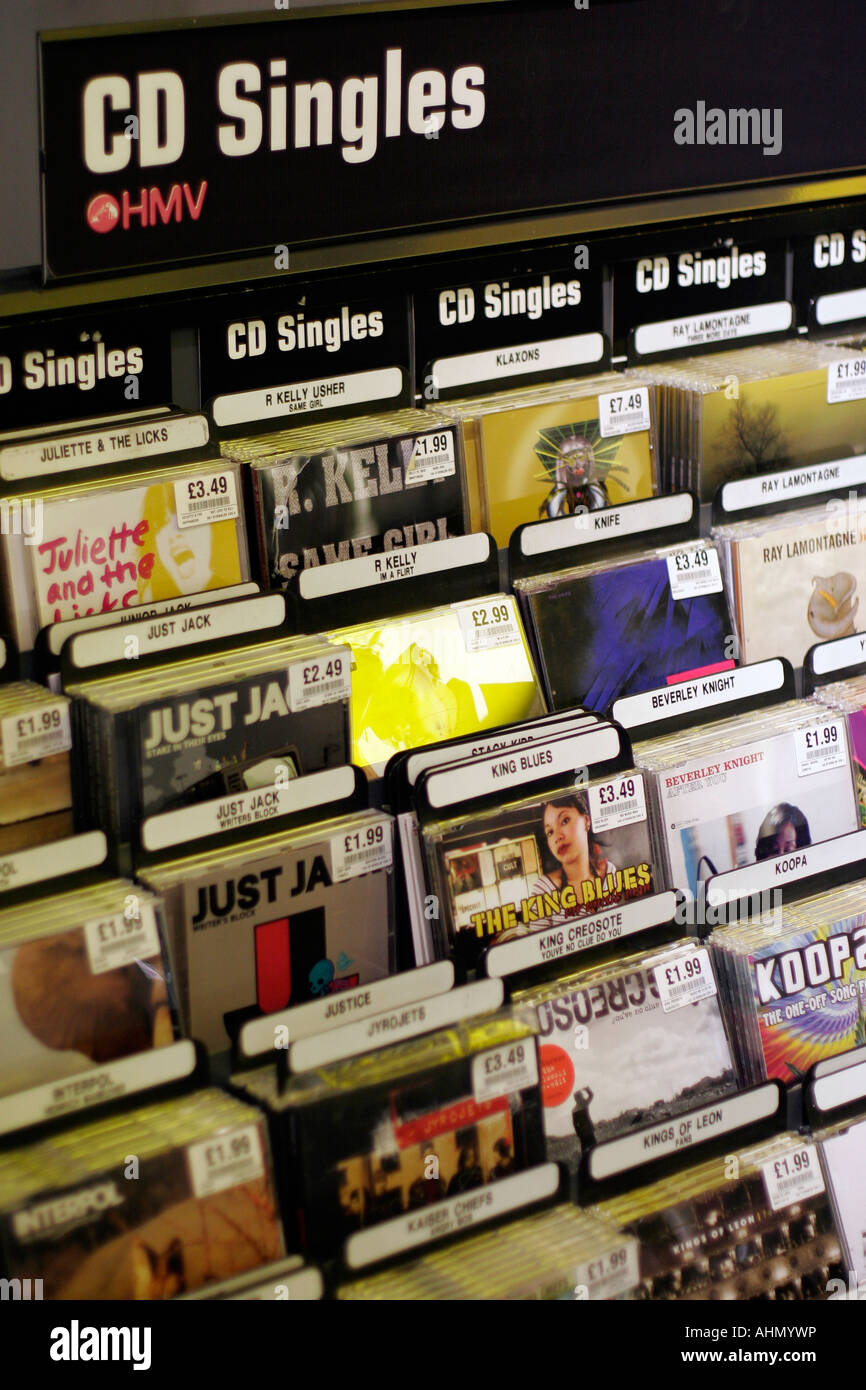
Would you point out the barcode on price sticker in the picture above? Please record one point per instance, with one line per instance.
(432, 458)
(820, 748)
(27, 737)
(512, 1067)
(121, 938)
(212, 497)
(620, 802)
(361, 851)
(793, 1177)
(694, 572)
(320, 682)
(488, 625)
(226, 1160)
(610, 1274)
(846, 380)
(624, 412)
(685, 980)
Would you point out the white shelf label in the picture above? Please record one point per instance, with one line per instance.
(685, 981)
(521, 359)
(200, 501)
(720, 326)
(846, 380)
(226, 1160)
(694, 572)
(624, 412)
(119, 940)
(362, 851)
(27, 737)
(793, 1177)
(322, 681)
(120, 442)
(512, 1067)
(821, 748)
(615, 1272)
(619, 802)
(308, 397)
(432, 458)
(488, 625)
(539, 948)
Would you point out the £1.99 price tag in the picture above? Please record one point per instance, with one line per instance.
(618, 802)
(28, 737)
(820, 748)
(511, 1067)
(121, 939)
(212, 497)
(319, 682)
(488, 624)
(793, 1177)
(685, 980)
(432, 458)
(226, 1160)
(624, 412)
(361, 851)
(694, 572)
(610, 1274)
(846, 379)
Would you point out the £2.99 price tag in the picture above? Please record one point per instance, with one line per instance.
(694, 572)
(846, 380)
(226, 1160)
(121, 939)
(613, 1273)
(27, 737)
(212, 497)
(624, 412)
(820, 748)
(432, 458)
(318, 682)
(361, 851)
(685, 980)
(511, 1067)
(618, 802)
(793, 1177)
(488, 625)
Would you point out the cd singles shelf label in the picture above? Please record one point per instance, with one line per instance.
(828, 271)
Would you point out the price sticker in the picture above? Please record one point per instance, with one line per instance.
(624, 412)
(361, 851)
(685, 981)
(200, 501)
(511, 1067)
(488, 625)
(793, 1178)
(226, 1160)
(27, 737)
(694, 572)
(615, 1272)
(121, 939)
(820, 748)
(846, 380)
(432, 458)
(620, 802)
(322, 681)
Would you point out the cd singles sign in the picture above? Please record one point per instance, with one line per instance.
(207, 140)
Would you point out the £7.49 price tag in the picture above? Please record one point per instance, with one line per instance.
(488, 625)
(432, 458)
(820, 748)
(685, 980)
(27, 737)
(361, 851)
(619, 802)
(693, 572)
(504, 1069)
(624, 412)
(320, 682)
(846, 379)
(226, 1160)
(212, 497)
(793, 1177)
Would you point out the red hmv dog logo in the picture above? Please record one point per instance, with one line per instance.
(103, 213)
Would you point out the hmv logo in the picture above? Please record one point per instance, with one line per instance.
(147, 207)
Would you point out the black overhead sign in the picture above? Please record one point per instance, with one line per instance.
(205, 140)
(830, 271)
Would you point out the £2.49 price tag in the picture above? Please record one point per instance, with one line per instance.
(320, 682)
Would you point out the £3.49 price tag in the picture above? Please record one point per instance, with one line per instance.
(226, 1160)
(685, 980)
(320, 682)
(511, 1067)
(361, 851)
(27, 737)
(619, 802)
(793, 1177)
(432, 458)
(694, 572)
(120, 939)
(212, 497)
(820, 748)
(488, 625)
(846, 380)
(624, 412)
